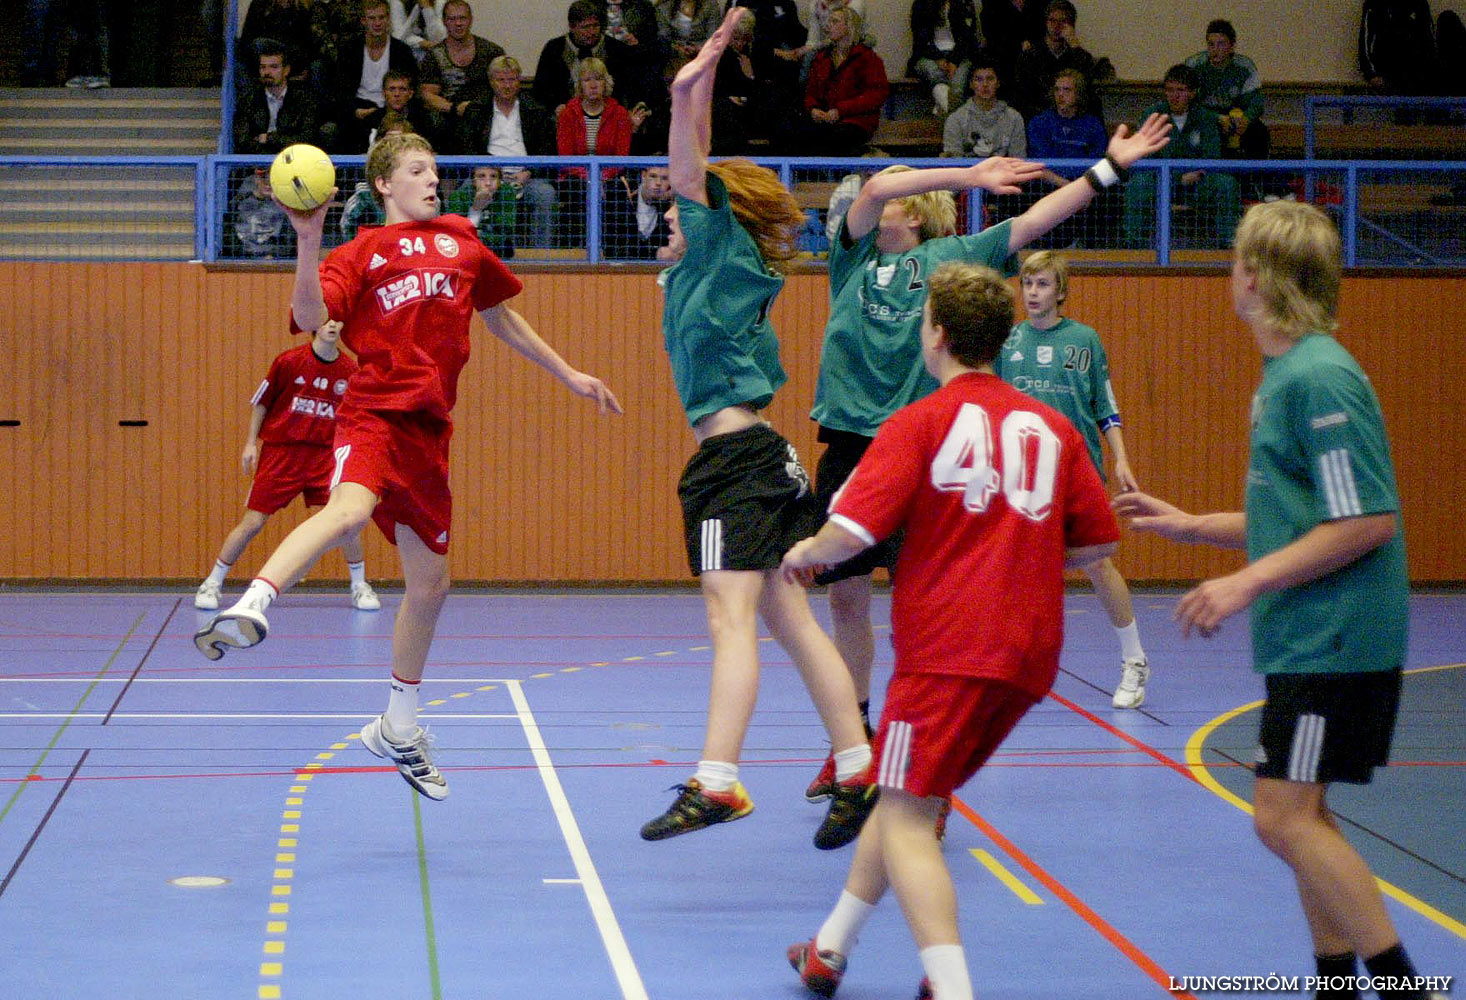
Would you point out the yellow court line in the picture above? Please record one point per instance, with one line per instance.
(1203, 776)
(1006, 877)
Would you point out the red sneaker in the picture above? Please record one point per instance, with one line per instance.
(823, 786)
(924, 991)
(820, 971)
(850, 806)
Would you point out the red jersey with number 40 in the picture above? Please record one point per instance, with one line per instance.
(991, 487)
(300, 395)
(407, 293)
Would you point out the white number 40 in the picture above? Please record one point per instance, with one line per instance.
(1030, 461)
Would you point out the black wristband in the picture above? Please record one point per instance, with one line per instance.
(1094, 180)
(1121, 172)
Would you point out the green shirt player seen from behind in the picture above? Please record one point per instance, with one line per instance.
(1062, 363)
(1325, 578)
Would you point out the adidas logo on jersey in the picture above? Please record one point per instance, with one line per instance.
(377, 261)
(443, 538)
(1016, 356)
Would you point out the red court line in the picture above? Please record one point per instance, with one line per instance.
(1145, 748)
(1106, 931)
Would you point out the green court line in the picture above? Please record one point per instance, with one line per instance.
(427, 900)
(36, 767)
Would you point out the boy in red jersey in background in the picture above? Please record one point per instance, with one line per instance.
(287, 453)
(997, 497)
(406, 292)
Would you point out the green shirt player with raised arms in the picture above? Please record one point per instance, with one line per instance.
(897, 232)
(1325, 577)
(745, 498)
(1062, 362)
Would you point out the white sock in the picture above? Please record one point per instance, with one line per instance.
(849, 763)
(946, 967)
(1129, 637)
(842, 927)
(357, 571)
(260, 594)
(402, 707)
(220, 573)
(716, 775)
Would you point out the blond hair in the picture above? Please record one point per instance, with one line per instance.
(763, 207)
(595, 68)
(1292, 248)
(974, 307)
(937, 210)
(386, 153)
(1048, 260)
(506, 62)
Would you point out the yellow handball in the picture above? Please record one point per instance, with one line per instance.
(302, 176)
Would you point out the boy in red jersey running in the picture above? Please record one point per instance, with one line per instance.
(997, 497)
(287, 453)
(406, 292)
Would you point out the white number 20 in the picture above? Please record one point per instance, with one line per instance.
(1030, 461)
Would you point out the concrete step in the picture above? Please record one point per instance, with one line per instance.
(113, 97)
(97, 214)
(106, 146)
(128, 133)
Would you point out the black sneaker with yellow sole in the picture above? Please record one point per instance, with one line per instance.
(850, 806)
(696, 807)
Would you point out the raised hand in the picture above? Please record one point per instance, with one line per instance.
(1004, 174)
(1152, 137)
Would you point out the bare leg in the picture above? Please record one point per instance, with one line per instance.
(242, 534)
(731, 598)
(1113, 594)
(914, 865)
(351, 549)
(343, 517)
(426, 576)
(854, 636)
(785, 608)
(1343, 904)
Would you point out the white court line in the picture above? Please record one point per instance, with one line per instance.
(232, 715)
(595, 893)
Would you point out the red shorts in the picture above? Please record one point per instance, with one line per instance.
(403, 459)
(287, 470)
(938, 729)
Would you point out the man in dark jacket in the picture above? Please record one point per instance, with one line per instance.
(358, 77)
(272, 114)
(515, 124)
(554, 80)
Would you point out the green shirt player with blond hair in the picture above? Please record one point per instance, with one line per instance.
(1062, 362)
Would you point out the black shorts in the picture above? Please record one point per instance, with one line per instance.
(745, 501)
(1327, 727)
(839, 460)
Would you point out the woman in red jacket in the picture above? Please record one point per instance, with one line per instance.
(847, 89)
(592, 123)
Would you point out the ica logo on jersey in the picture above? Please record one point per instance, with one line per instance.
(413, 286)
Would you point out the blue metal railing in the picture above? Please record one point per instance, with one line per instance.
(1348, 103)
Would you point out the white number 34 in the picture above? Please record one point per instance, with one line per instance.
(1029, 452)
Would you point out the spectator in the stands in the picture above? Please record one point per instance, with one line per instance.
(636, 226)
(490, 205)
(683, 26)
(1196, 134)
(400, 106)
(1039, 64)
(1231, 88)
(287, 22)
(633, 23)
(944, 41)
(984, 126)
(455, 76)
(846, 90)
(94, 41)
(358, 78)
(745, 96)
(40, 34)
(1396, 47)
(1008, 28)
(515, 124)
(256, 227)
(778, 37)
(554, 74)
(419, 23)
(1066, 132)
(334, 25)
(593, 123)
(274, 113)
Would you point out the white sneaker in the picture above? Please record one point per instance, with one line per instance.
(241, 627)
(76, 83)
(412, 756)
(1131, 692)
(206, 598)
(364, 598)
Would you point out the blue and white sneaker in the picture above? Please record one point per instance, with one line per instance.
(241, 627)
(413, 756)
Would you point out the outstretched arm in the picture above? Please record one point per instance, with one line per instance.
(307, 301)
(514, 330)
(1227, 530)
(691, 133)
(1124, 149)
(997, 174)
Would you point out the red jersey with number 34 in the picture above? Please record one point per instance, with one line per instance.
(991, 487)
(300, 395)
(407, 293)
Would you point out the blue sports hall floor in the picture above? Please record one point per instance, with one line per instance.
(172, 828)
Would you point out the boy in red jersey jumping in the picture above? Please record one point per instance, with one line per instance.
(997, 497)
(406, 292)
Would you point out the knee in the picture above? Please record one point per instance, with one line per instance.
(1277, 829)
(429, 588)
(345, 516)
